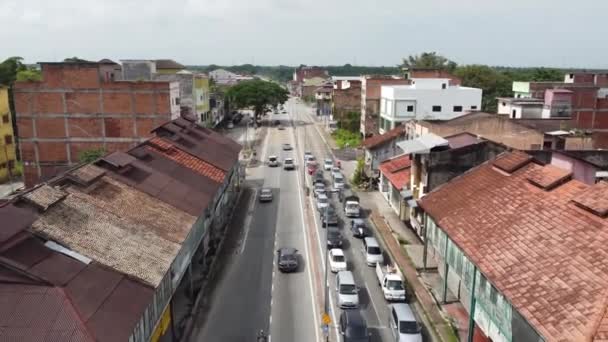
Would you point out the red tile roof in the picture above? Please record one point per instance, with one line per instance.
(397, 170)
(377, 140)
(167, 149)
(543, 252)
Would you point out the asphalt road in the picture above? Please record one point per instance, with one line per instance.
(373, 305)
(251, 294)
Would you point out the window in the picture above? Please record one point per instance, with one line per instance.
(444, 86)
(410, 108)
(473, 107)
(177, 101)
(2, 165)
(458, 108)
(436, 108)
(493, 294)
(8, 139)
(504, 103)
(11, 164)
(5, 118)
(571, 76)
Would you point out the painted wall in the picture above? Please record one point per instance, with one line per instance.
(7, 139)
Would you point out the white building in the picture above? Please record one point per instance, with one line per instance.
(425, 99)
(225, 77)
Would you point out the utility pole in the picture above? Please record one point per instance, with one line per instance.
(326, 310)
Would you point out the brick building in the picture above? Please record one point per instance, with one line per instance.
(79, 107)
(370, 100)
(306, 72)
(346, 97)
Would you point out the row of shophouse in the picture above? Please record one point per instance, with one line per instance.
(118, 249)
(511, 214)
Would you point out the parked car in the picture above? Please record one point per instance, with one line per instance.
(311, 168)
(353, 327)
(288, 164)
(329, 217)
(328, 164)
(337, 260)
(322, 203)
(273, 161)
(403, 323)
(287, 259)
(391, 282)
(372, 252)
(266, 195)
(334, 237)
(287, 147)
(358, 228)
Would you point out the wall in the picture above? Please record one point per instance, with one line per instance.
(185, 89)
(71, 111)
(370, 101)
(383, 152)
(346, 100)
(8, 142)
(138, 70)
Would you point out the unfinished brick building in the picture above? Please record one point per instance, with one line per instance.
(79, 107)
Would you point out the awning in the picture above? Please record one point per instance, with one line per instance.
(412, 203)
(422, 144)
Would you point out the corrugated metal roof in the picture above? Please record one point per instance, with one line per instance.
(44, 196)
(14, 220)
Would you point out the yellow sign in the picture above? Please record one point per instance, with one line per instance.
(326, 319)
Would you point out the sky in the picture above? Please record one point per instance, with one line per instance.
(552, 33)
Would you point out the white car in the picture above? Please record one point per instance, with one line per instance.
(328, 164)
(322, 202)
(309, 159)
(337, 260)
(288, 164)
(273, 161)
(335, 171)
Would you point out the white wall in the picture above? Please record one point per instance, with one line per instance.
(174, 94)
(423, 100)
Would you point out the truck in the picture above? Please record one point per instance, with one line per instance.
(351, 206)
(391, 282)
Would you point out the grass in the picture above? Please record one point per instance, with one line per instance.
(345, 138)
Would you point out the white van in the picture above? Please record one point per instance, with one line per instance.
(347, 291)
(372, 251)
(403, 323)
(338, 179)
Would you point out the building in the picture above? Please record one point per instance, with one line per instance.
(76, 108)
(557, 103)
(436, 160)
(521, 134)
(394, 179)
(323, 98)
(379, 148)
(425, 98)
(76, 239)
(305, 72)
(416, 72)
(346, 97)
(8, 157)
(168, 66)
(309, 86)
(226, 78)
(523, 246)
(370, 101)
(587, 166)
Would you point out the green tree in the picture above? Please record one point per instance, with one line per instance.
(75, 60)
(89, 156)
(359, 174)
(258, 95)
(29, 74)
(9, 69)
(493, 83)
(428, 60)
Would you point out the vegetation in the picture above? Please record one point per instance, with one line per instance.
(359, 174)
(89, 156)
(9, 69)
(428, 60)
(351, 121)
(31, 75)
(261, 96)
(345, 138)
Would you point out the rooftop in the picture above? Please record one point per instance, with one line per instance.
(537, 236)
(377, 140)
(397, 170)
(168, 64)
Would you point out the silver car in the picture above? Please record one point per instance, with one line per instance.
(265, 195)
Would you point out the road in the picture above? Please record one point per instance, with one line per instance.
(373, 306)
(251, 294)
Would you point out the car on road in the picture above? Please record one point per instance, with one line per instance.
(288, 164)
(276, 122)
(306, 155)
(230, 125)
(287, 147)
(337, 260)
(322, 203)
(280, 127)
(372, 252)
(353, 327)
(403, 323)
(359, 228)
(335, 171)
(311, 168)
(266, 195)
(287, 259)
(310, 158)
(283, 111)
(328, 164)
(273, 161)
(347, 290)
(338, 182)
(318, 189)
(334, 237)
(329, 217)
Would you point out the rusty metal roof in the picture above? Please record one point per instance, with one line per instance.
(14, 220)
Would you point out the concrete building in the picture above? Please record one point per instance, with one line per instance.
(394, 179)
(411, 73)
(8, 157)
(379, 148)
(305, 72)
(323, 98)
(309, 86)
(370, 101)
(76, 108)
(346, 97)
(226, 78)
(521, 244)
(425, 98)
(168, 66)
(557, 103)
(128, 275)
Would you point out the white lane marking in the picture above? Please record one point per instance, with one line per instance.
(321, 135)
(321, 250)
(310, 282)
(248, 220)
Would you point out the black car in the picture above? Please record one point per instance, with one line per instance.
(330, 218)
(353, 327)
(318, 177)
(277, 122)
(359, 229)
(287, 259)
(334, 237)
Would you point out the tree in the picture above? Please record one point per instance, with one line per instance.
(9, 69)
(359, 174)
(29, 75)
(75, 60)
(258, 95)
(428, 60)
(89, 156)
(494, 83)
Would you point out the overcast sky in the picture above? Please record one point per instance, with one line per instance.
(560, 33)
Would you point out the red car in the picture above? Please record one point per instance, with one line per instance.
(312, 167)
